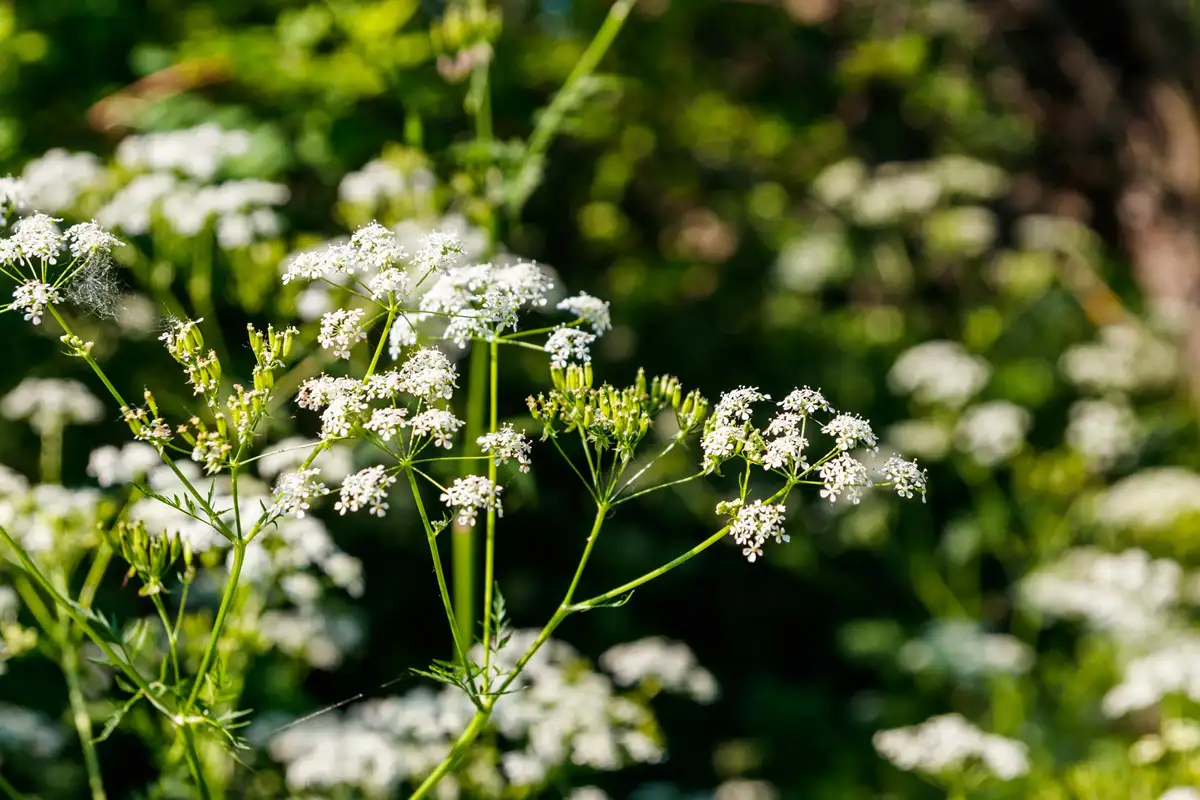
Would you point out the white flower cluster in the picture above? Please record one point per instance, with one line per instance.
(1124, 358)
(993, 432)
(366, 488)
(47, 518)
(295, 490)
(197, 152)
(939, 372)
(379, 181)
(660, 664)
(507, 445)
(948, 744)
(1169, 669)
(564, 715)
(753, 524)
(782, 445)
(591, 310)
(960, 649)
(51, 403)
(1128, 593)
(470, 494)
(427, 375)
(475, 302)
(1102, 431)
(56, 180)
(1150, 499)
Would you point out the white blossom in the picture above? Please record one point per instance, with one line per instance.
(113, 466)
(35, 238)
(569, 344)
(948, 743)
(844, 475)
(850, 431)
(592, 310)
(88, 240)
(294, 490)
(736, 404)
(12, 195)
(1102, 431)
(365, 488)
(905, 477)
(50, 403)
(993, 432)
(438, 252)
(387, 422)
(341, 330)
(1150, 499)
(941, 372)
(32, 297)
(437, 423)
(428, 375)
(507, 444)
(805, 401)
(754, 524)
(470, 494)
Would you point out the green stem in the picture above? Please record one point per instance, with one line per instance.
(95, 574)
(552, 118)
(50, 460)
(459, 651)
(489, 557)
(462, 554)
(79, 712)
(235, 572)
(641, 492)
(649, 576)
(468, 736)
(195, 766)
(601, 512)
(169, 629)
(79, 619)
(11, 791)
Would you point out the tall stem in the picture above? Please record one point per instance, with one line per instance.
(468, 736)
(235, 572)
(462, 554)
(489, 557)
(79, 712)
(459, 650)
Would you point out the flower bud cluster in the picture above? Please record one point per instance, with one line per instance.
(151, 556)
(610, 417)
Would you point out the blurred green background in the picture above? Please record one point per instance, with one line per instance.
(771, 193)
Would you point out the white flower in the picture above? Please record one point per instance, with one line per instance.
(948, 743)
(736, 404)
(850, 431)
(87, 239)
(993, 432)
(387, 422)
(437, 423)
(438, 252)
(364, 488)
(506, 445)
(720, 443)
(1180, 793)
(391, 281)
(1125, 358)
(1169, 669)
(961, 649)
(663, 664)
(34, 238)
(198, 152)
(469, 495)
(1150, 499)
(377, 246)
(50, 403)
(32, 297)
(58, 179)
(1127, 593)
(12, 195)
(112, 466)
(939, 372)
(905, 477)
(293, 491)
(924, 437)
(340, 331)
(569, 344)
(844, 474)
(805, 401)
(1102, 431)
(428, 375)
(754, 524)
(592, 310)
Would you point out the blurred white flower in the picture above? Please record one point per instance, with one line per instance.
(949, 743)
(1151, 499)
(939, 372)
(993, 432)
(959, 649)
(57, 179)
(1123, 359)
(1102, 431)
(50, 403)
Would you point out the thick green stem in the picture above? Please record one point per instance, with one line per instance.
(462, 554)
(10, 791)
(601, 512)
(79, 712)
(50, 460)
